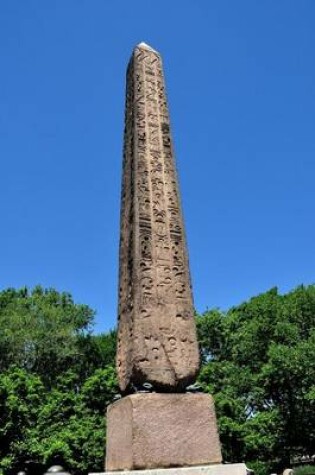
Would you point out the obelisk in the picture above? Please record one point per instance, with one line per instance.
(157, 340)
(157, 344)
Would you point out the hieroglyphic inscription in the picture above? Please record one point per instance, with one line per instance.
(156, 331)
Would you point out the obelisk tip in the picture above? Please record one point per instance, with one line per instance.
(144, 45)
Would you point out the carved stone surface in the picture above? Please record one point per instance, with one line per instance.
(161, 431)
(156, 329)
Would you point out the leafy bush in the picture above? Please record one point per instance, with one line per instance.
(304, 470)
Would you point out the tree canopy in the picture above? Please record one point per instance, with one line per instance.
(57, 377)
(259, 362)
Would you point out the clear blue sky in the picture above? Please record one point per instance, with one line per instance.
(241, 86)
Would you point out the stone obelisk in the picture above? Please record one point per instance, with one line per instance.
(157, 340)
(157, 344)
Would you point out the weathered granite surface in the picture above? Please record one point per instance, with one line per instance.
(156, 329)
(161, 431)
(220, 469)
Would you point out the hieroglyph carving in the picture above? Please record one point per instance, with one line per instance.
(156, 330)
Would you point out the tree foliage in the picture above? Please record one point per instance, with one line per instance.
(40, 330)
(57, 377)
(259, 362)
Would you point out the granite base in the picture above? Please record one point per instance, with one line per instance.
(154, 430)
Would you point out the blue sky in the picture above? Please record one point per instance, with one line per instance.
(241, 84)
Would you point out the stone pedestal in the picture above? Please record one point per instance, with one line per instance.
(154, 430)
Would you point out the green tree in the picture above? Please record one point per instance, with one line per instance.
(40, 330)
(96, 351)
(71, 424)
(56, 379)
(41, 426)
(21, 398)
(259, 363)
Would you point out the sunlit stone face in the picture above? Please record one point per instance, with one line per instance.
(156, 329)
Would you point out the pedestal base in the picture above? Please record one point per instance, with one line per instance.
(219, 469)
(154, 430)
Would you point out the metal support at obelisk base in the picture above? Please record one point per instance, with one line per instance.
(158, 426)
